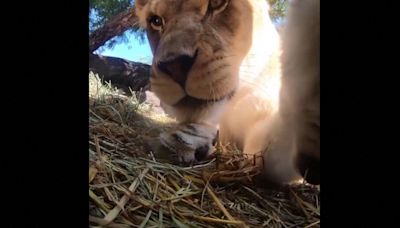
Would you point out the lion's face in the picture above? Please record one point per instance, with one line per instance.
(197, 47)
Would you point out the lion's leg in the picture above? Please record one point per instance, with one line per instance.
(256, 140)
(190, 142)
(279, 157)
(194, 137)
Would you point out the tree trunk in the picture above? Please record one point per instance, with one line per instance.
(115, 27)
(123, 74)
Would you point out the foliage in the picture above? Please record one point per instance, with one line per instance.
(101, 11)
(278, 9)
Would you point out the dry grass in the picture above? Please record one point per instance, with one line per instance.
(129, 187)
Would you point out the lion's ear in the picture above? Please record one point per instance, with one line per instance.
(140, 4)
(141, 12)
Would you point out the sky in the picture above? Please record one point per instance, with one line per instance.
(132, 50)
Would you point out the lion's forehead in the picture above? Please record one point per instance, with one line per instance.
(169, 8)
(230, 19)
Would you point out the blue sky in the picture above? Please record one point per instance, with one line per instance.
(132, 50)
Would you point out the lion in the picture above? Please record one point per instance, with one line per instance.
(217, 69)
(300, 92)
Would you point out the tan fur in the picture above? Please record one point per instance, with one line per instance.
(221, 43)
(215, 73)
(238, 50)
(300, 94)
(293, 132)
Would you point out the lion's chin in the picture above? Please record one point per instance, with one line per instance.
(190, 101)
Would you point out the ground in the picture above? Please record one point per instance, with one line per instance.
(130, 186)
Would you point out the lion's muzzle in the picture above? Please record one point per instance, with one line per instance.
(178, 67)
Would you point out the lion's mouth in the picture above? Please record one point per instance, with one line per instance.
(189, 101)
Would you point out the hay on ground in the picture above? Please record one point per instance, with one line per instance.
(129, 187)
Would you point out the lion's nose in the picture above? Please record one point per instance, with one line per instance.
(178, 68)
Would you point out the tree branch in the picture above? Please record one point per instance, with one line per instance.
(123, 74)
(115, 27)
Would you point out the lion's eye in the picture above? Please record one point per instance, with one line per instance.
(218, 5)
(156, 22)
